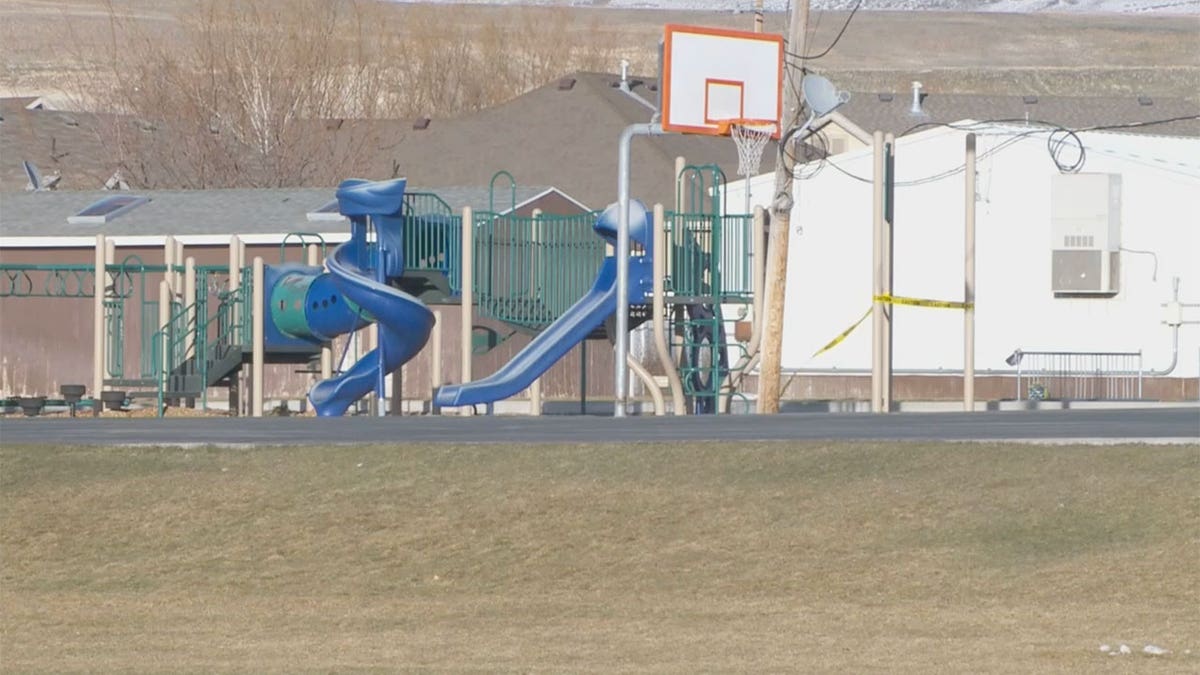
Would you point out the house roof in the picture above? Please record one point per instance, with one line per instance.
(564, 134)
(889, 112)
(208, 212)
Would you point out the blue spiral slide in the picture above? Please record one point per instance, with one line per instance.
(359, 273)
(587, 314)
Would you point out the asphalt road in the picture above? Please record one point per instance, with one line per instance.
(1132, 425)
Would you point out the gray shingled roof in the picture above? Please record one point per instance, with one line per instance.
(565, 137)
(183, 212)
(890, 112)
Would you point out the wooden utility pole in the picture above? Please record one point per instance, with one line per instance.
(769, 378)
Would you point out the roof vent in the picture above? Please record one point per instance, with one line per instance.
(68, 120)
(653, 86)
(334, 124)
(1029, 100)
(1145, 100)
(886, 97)
(566, 84)
(916, 110)
(36, 182)
(421, 123)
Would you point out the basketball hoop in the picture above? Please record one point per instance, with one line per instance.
(751, 137)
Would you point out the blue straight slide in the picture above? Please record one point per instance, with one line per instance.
(404, 321)
(572, 327)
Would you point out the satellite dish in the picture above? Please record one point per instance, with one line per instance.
(34, 176)
(821, 96)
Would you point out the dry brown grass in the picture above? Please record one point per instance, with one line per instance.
(897, 558)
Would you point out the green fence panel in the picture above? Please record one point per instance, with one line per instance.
(528, 270)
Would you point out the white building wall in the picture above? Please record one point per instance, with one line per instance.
(829, 265)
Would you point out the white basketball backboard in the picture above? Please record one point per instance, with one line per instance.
(712, 74)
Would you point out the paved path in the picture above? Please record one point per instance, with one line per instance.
(1134, 425)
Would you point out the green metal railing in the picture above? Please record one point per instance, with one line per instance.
(302, 240)
(47, 281)
(528, 270)
(710, 256)
(433, 237)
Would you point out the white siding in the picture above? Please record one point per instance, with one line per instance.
(829, 266)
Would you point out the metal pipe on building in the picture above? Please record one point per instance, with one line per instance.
(621, 366)
(969, 281)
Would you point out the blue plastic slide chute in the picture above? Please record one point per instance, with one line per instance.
(576, 323)
(361, 272)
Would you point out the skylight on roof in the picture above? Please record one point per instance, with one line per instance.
(105, 210)
(327, 212)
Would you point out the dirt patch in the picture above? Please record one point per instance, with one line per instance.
(904, 558)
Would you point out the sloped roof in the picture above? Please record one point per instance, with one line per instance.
(889, 112)
(197, 212)
(564, 136)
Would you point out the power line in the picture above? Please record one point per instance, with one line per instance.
(835, 40)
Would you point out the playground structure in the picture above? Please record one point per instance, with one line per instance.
(542, 275)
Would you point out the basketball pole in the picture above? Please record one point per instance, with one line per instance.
(769, 377)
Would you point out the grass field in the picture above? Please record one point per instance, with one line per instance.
(898, 558)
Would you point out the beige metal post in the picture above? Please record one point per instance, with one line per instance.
(659, 320)
(647, 379)
(164, 317)
(886, 279)
(100, 282)
(189, 301)
(169, 251)
(969, 282)
(770, 366)
(535, 398)
(177, 283)
(877, 275)
(435, 356)
(257, 349)
(680, 163)
(110, 258)
(235, 275)
(466, 294)
(758, 16)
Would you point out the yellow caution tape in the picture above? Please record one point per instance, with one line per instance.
(837, 340)
(893, 300)
(921, 302)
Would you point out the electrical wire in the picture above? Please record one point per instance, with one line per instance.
(1059, 138)
(833, 44)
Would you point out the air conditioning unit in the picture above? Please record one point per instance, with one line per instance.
(1085, 230)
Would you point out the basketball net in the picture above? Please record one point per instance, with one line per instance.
(751, 138)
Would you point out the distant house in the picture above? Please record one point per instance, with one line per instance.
(564, 134)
